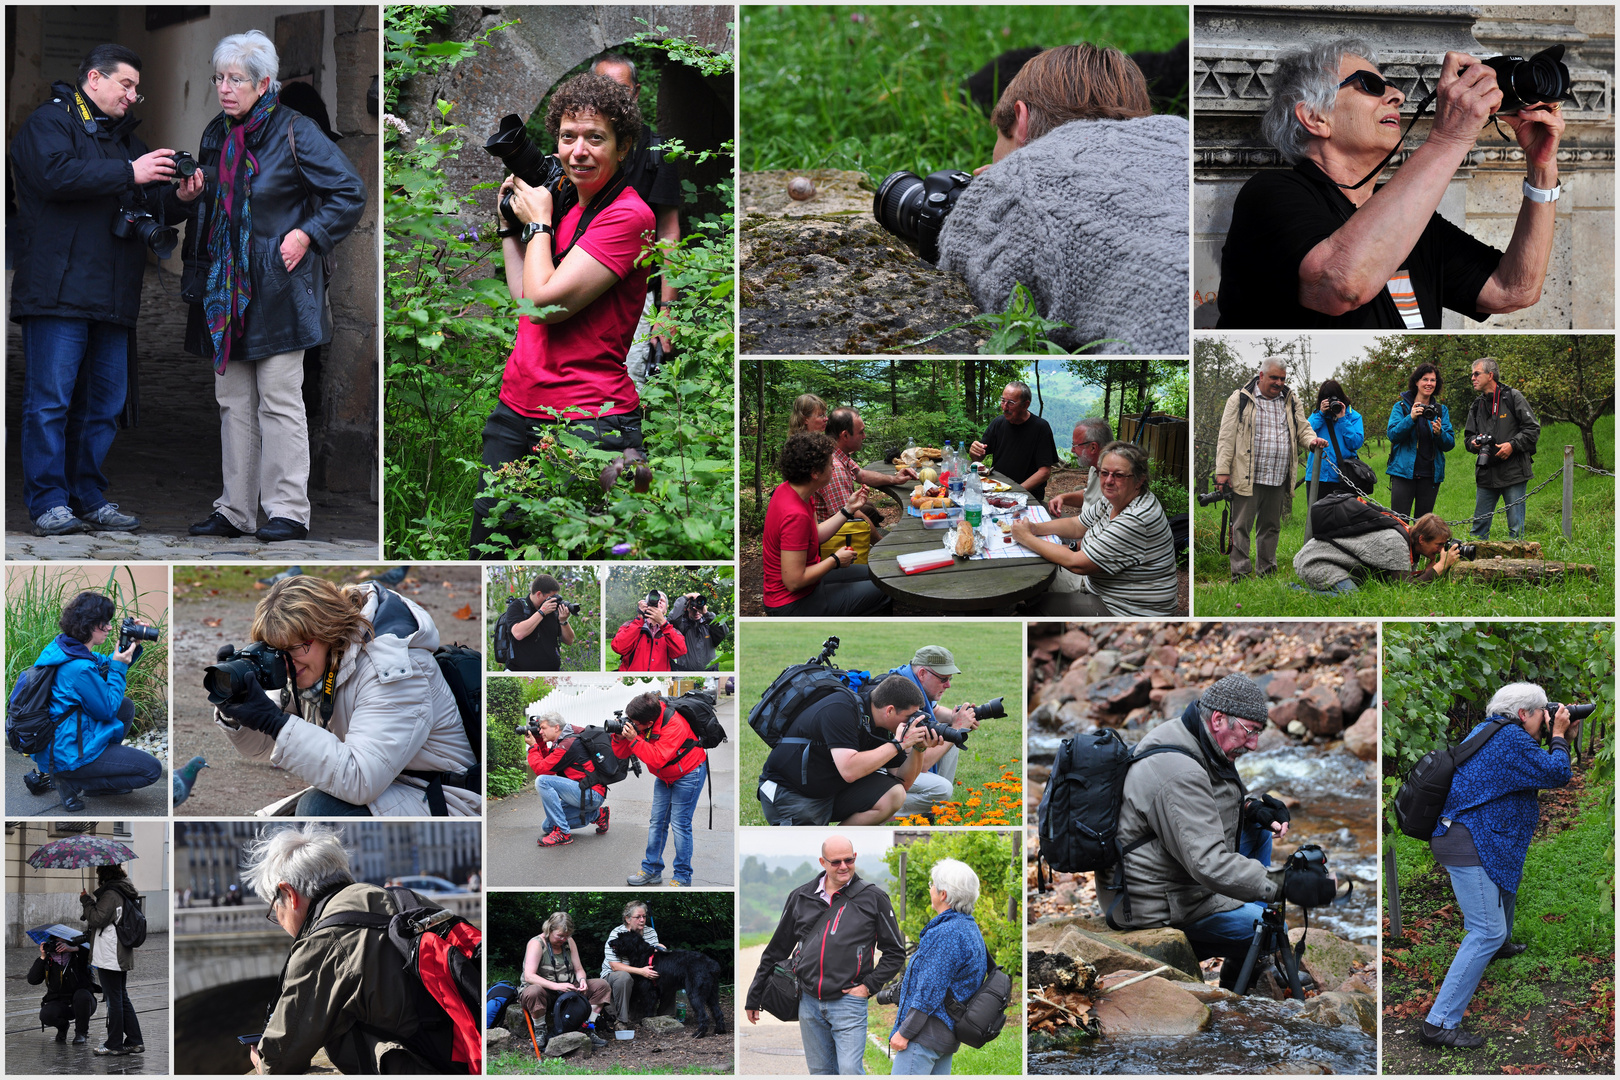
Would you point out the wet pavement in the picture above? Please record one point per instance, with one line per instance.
(166, 471)
(149, 801)
(605, 861)
(31, 1052)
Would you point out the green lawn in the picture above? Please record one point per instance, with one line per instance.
(989, 654)
(875, 88)
(1002, 1056)
(1593, 543)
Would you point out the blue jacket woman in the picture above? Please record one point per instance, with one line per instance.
(1404, 435)
(1349, 432)
(950, 959)
(1418, 444)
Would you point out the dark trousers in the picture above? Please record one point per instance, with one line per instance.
(846, 591)
(122, 1027)
(1414, 498)
(509, 436)
(59, 1013)
(119, 768)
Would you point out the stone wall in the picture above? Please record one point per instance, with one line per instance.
(1233, 56)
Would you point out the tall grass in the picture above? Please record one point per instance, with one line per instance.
(34, 603)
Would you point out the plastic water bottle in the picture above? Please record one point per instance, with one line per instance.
(973, 503)
(958, 480)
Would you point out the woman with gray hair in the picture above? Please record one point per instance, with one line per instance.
(1123, 557)
(951, 959)
(1482, 838)
(279, 198)
(1319, 246)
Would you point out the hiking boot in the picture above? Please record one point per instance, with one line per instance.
(602, 821)
(1509, 950)
(72, 797)
(645, 878)
(1454, 1037)
(38, 783)
(80, 1038)
(107, 517)
(596, 1040)
(57, 521)
(555, 838)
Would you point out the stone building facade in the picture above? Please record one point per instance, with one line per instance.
(1233, 51)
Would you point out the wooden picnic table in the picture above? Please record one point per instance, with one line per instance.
(966, 585)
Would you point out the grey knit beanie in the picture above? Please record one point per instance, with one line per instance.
(1237, 695)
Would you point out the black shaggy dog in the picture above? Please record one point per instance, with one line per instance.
(678, 969)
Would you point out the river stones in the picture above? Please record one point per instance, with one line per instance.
(1361, 737)
(1328, 958)
(1108, 951)
(1339, 1009)
(1153, 1006)
(1320, 712)
(1165, 944)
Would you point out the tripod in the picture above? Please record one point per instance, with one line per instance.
(1271, 939)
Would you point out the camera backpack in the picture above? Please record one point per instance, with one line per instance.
(439, 954)
(1424, 792)
(131, 924)
(1078, 818)
(595, 745)
(505, 643)
(496, 1000)
(978, 1020)
(1342, 514)
(463, 671)
(798, 688)
(30, 727)
(697, 708)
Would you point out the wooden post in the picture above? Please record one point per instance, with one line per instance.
(1392, 884)
(902, 912)
(1569, 492)
(1310, 499)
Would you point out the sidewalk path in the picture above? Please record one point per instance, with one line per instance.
(771, 1047)
(31, 1052)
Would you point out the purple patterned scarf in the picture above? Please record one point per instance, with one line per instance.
(230, 232)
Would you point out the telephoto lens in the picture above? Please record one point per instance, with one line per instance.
(130, 630)
(572, 606)
(990, 710)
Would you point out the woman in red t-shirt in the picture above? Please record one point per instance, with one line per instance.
(567, 367)
(798, 579)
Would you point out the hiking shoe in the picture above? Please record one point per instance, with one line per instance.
(1509, 950)
(134, 1048)
(104, 1050)
(72, 797)
(1454, 1037)
(108, 517)
(555, 838)
(679, 884)
(596, 1040)
(602, 821)
(645, 878)
(57, 521)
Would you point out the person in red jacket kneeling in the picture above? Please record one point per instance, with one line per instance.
(648, 642)
(660, 736)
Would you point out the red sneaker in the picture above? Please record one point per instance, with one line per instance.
(602, 821)
(555, 838)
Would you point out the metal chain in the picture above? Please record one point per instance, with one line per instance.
(1467, 520)
(1588, 468)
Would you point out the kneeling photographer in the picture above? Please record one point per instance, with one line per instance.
(657, 734)
(565, 776)
(365, 715)
(69, 713)
(530, 633)
(1083, 176)
(1196, 844)
(931, 669)
(1389, 550)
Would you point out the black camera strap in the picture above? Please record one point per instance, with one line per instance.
(1422, 107)
(85, 117)
(596, 205)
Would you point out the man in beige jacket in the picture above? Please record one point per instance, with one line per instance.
(1263, 429)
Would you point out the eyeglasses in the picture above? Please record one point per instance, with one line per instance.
(1248, 731)
(129, 87)
(840, 862)
(1012, 401)
(301, 650)
(1108, 474)
(946, 679)
(1370, 82)
(270, 916)
(236, 81)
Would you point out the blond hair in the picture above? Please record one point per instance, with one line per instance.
(558, 920)
(804, 407)
(304, 608)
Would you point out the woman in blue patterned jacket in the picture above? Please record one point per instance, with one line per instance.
(1482, 838)
(950, 957)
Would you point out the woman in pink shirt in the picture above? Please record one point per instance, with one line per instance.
(799, 580)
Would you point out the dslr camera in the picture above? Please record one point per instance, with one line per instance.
(129, 630)
(951, 735)
(1221, 493)
(185, 165)
(615, 726)
(512, 145)
(1467, 551)
(1331, 406)
(1485, 448)
(140, 225)
(914, 208)
(1577, 713)
(1540, 80)
(230, 679)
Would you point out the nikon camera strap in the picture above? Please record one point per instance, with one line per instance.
(85, 118)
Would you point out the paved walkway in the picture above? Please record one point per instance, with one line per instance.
(771, 1047)
(31, 1052)
(150, 801)
(605, 861)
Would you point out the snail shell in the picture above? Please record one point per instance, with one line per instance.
(802, 188)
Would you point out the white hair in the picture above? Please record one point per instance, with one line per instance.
(254, 53)
(1270, 362)
(1515, 696)
(309, 858)
(539, 714)
(1306, 75)
(958, 882)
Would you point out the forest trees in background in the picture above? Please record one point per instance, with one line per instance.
(700, 921)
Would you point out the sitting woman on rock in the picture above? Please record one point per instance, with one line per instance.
(798, 580)
(1333, 566)
(950, 960)
(551, 966)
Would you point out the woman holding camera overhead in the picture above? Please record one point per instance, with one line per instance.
(86, 754)
(279, 199)
(1334, 420)
(1419, 436)
(567, 367)
(365, 715)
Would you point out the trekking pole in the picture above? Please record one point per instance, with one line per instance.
(534, 1041)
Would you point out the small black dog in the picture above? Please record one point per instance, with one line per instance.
(678, 969)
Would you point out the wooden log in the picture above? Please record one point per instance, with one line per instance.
(1525, 570)
(1505, 549)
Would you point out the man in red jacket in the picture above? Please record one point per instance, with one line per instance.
(560, 761)
(660, 736)
(648, 642)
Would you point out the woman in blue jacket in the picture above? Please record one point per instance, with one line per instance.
(1333, 409)
(1419, 436)
(950, 958)
(1482, 838)
(86, 754)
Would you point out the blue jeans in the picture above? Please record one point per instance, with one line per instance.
(566, 807)
(1485, 505)
(117, 768)
(917, 1060)
(317, 803)
(834, 1034)
(1488, 918)
(1226, 933)
(682, 795)
(77, 376)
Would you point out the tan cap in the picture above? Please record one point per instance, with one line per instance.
(936, 658)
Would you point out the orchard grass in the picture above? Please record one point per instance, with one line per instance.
(990, 655)
(1002, 1056)
(1593, 543)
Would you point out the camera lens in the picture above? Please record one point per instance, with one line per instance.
(184, 164)
(512, 145)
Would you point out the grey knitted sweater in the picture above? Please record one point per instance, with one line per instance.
(1321, 565)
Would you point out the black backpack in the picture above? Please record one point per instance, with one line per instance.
(1341, 514)
(30, 727)
(980, 1018)
(698, 710)
(463, 671)
(1424, 792)
(131, 924)
(798, 688)
(505, 643)
(595, 744)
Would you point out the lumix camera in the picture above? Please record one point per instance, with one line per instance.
(914, 208)
(524, 160)
(230, 679)
(130, 630)
(1542, 79)
(140, 225)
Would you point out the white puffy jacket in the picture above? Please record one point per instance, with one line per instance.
(392, 711)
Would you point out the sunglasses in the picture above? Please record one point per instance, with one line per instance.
(1370, 82)
(840, 862)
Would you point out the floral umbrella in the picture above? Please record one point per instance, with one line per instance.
(77, 852)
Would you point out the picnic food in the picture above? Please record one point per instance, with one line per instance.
(1000, 503)
(963, 546)
(929, 475)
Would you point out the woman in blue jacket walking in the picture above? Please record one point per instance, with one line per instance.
(950, 958)
(1419, 436)
(86, 754)
(1482, 838)
(1333, 411)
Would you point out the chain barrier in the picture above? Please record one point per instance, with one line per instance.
(1467, 520)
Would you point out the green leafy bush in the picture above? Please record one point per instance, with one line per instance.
(993, 857)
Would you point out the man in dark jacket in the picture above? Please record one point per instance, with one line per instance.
(1501, 423)
(839, 925)
(70, 992)
(77, 289)
(702, 630)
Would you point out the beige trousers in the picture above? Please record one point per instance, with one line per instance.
(264, 440)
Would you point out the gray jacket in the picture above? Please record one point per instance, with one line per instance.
(1513, 422)
(701, 638)
(1193, 809)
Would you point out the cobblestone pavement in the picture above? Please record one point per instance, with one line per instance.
(166, 471)
(31, 1052)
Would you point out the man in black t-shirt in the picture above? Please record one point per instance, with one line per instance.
(1019, 442)
(1319, 246)
(539, 634)
(826, 768)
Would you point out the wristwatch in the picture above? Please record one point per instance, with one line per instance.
(1542, 195)
(531, 229)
